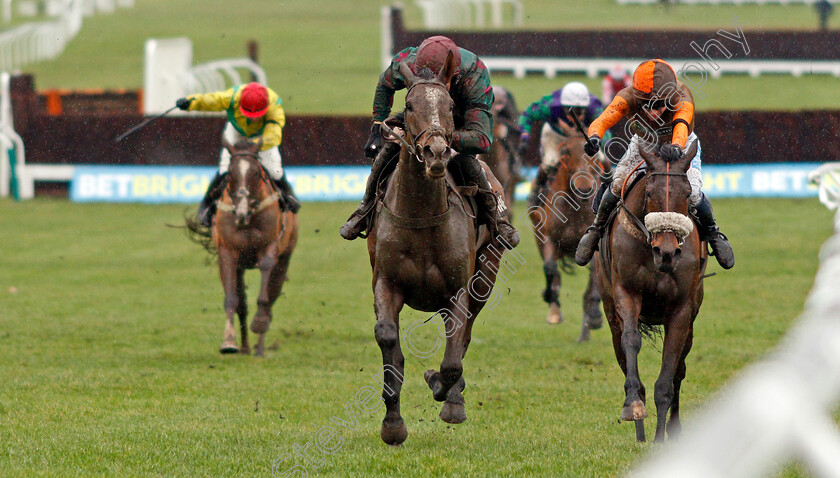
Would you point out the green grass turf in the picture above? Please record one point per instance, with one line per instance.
(322, 56)
(110, 324)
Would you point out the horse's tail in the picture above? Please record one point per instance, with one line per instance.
(651, 332)
(199, 234)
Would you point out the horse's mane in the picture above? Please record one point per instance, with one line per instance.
(426, 74)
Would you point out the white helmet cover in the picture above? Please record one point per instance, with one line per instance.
(574, 94)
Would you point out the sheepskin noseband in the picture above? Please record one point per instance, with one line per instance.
(679, 224)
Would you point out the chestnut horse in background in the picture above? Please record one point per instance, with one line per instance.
(427, 251)
(249, 231)
(561, 219)
(652, 264)
(505, 142)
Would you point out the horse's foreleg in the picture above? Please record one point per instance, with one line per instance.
(275, 287)
(227, 272)
(666, 392)
(628, 308)
(592, 318)
(263, 316)
(447, 384)
(551, 293)
(388, 302)
(242, 311)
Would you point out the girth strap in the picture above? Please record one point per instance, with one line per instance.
(416, 222)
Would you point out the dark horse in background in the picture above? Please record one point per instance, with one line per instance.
(561, 219)
(249, 231)
(652, 264)
(503, 158)
(427, 251)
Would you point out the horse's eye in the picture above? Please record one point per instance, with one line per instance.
(451, 105)
(409, 107)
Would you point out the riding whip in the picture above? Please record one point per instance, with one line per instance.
(141, 125)
(577, 123)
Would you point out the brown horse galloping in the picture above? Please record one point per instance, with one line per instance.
(505, 143)
(250, 231)
(561, 219)
(427, 252)
(652, 265)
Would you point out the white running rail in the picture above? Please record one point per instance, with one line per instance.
(10, 141)
(780, 409)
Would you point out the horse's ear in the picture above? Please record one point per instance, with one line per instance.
(406, 72)
(684, 162)
(448, 70)
(650, 155)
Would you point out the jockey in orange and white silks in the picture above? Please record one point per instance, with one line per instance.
(661, 111)
(253, 112)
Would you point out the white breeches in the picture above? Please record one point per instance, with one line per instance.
(632, 158)
(270, 158)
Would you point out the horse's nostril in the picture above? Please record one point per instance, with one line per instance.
(657, 250)
(677, 251)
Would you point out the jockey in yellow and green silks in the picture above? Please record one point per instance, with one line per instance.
(253, 112)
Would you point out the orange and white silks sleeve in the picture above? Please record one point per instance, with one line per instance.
(683, 117)
(616, 110)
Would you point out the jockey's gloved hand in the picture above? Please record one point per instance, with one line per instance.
(670, 152)
(523, 144)
(184, 103)
(374, 142)
(592, 146)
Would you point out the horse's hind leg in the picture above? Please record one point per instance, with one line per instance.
(388, 302)
(242, 311)
(227, 272)
(673, 428)
(551, 293)
(676, 335)
(275, 287)
(592, 318)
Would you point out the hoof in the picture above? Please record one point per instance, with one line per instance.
(634, 411)
(229, 348)
(260, 324)
(554, 319)
(594, 322)
(584, 335)
(453, 413)
(245, 351)
(393, 434)
(433, 379)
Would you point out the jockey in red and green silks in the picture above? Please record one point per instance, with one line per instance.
(470, 89)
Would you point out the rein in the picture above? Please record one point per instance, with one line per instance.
(266, 202)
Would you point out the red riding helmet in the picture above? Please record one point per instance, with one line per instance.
(253, 102)
(651, 77)
(432, 53)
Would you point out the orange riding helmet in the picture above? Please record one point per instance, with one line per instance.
(651, 77)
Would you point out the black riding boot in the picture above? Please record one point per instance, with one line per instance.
(589, 242)
(207, 206)
(288, 201)
(721, 248)
(545, 174)
(382, 166)
(490, 213)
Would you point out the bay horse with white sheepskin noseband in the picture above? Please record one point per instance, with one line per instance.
(561, 219)
(427, 252)
(652, 275)
(250, 231)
